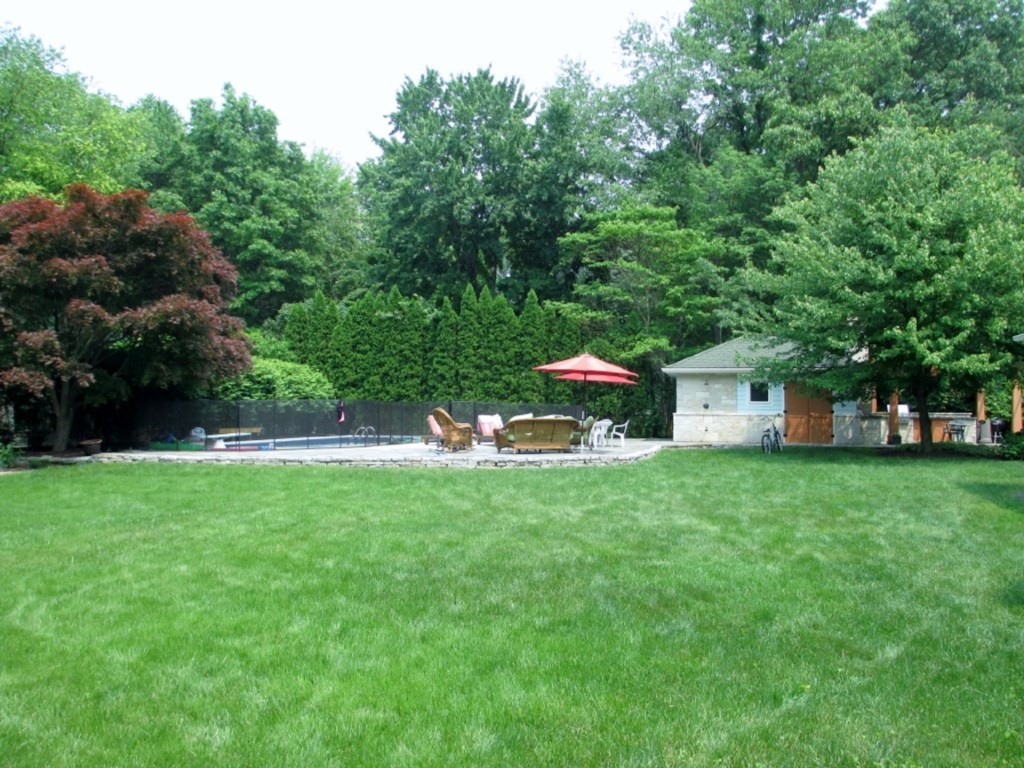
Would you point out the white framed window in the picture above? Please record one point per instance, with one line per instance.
(758, 392)
(758, 397)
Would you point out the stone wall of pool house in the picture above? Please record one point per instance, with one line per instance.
(851, 429)
(712, 393)
(718, 428)
(708, 413)
(746, 429)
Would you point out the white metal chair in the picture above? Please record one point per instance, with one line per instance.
(599, 433)
(619, 431)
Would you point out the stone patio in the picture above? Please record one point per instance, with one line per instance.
(399, 455)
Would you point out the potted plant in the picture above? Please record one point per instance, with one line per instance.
(91, 447)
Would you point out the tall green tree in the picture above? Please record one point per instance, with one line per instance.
(582, 160)
(298, 332)
(724, 72)
(293, 224)
(161, 160)
(471, 366)
(532, 350)
(565, 339)
(250, 192)
(324, 316)
(499, 327)
(337, 234)
(54, 131)
(962, 60)
(443, 355)
(401, 331)
(357, 373)
(902, 268)
(652, 282)
(443, 193)
(741, 103)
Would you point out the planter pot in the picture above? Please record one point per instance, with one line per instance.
(91, 447)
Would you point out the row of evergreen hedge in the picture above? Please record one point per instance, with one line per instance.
(397, 348)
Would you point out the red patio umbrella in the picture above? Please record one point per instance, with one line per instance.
(603, 378)
(586, 368)
(585, 363)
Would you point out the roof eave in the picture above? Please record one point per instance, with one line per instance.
(704, 371)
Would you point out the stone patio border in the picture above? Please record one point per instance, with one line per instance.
(404, 455)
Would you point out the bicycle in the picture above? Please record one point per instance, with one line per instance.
(771, 440)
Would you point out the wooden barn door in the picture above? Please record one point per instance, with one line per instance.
(808, 416)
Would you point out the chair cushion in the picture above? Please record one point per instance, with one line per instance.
(487, 424)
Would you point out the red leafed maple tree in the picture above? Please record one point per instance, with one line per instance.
(104, 287)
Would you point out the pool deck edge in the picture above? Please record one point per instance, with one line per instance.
(399, 455)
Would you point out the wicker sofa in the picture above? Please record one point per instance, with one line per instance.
(546, 433)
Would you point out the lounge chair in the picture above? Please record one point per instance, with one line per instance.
(436, 433)
(455, 434)
(485, 426)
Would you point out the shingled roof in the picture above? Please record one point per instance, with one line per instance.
(732, 356)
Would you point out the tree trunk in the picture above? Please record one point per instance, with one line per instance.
(62, 400)
(924, 420)
(894, 416)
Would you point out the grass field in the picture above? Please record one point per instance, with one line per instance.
(702, 608)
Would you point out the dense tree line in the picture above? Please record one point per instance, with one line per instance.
(654, 218)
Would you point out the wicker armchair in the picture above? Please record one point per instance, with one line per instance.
(456, 435)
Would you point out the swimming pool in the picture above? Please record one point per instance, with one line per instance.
(311, 442)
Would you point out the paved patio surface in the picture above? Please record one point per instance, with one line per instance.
(404, 455)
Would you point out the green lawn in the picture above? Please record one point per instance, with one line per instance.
(703, 608)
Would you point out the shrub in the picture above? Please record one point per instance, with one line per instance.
(271, 379)
(8, 455)
(1013, 447)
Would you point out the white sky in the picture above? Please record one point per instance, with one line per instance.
(330, 71)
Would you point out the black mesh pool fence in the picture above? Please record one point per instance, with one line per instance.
(304, 424)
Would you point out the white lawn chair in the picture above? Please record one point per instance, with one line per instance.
(619, 431)
(599, 433)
